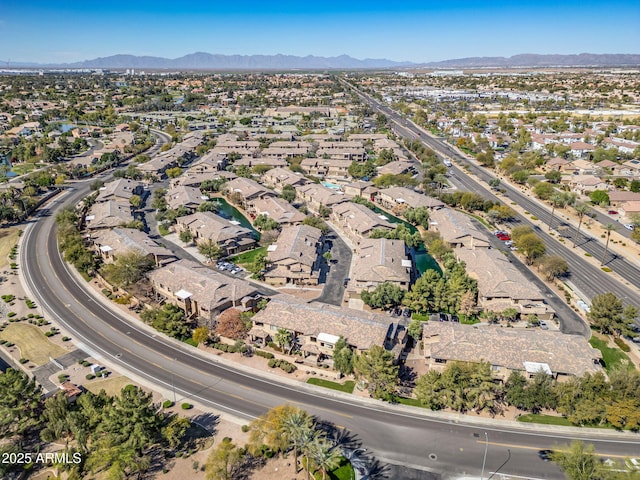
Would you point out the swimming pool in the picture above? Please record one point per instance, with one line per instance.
(332, 186)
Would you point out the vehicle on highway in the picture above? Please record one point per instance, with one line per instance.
(446, 162)
(545, 455)
(629, 226)
(504, 237)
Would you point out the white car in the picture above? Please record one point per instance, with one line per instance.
(629, 226)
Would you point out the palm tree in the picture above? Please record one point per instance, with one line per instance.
(609, 227)
(557, 200)
(581, 209)
(296, 426)
(283, 337)
(325, 456)
(308, 440)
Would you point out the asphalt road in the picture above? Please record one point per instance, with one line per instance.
(589, 279)
(338, 270)
(450, 445)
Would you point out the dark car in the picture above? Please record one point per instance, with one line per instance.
(545, 455)
(406, 313)
(455, 318)
(443, 317)
(612, 212)
(346, 282)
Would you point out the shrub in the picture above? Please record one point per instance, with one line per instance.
(25, 360)
(167, 404)
(90, 376)
(620, 343)
(66, 339)
(11, 314)
(186, 406)
(606, 269)
(3, 342)
(245, 428)
(273, 363)
(533, 217)
(63, 377)
(262, 353)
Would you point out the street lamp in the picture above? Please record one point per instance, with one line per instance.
(484, 460)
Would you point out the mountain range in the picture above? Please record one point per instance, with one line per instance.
(208, 61)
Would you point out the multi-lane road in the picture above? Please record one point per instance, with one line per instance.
(446, 444)
(589, 279)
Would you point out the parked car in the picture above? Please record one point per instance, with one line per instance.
(543, 325)
(545, 455)
(508, 243)
(455, 318)
(504, 238)
(406, 313)
(443, 317)
(629, 226)
(612, 212)
(346, 282)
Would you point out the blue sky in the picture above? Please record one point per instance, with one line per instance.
(419, 31)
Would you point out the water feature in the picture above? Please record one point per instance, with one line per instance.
(229, 212)
(332, 186)
(422, 259)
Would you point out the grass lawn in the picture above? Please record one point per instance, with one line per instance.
(22, 168)
(612, 356)
(412, 402)
(8, 238)
(545, 420)
(31, 342)
(346, 387)
(343, 472)
(247, 258)
(112, 386)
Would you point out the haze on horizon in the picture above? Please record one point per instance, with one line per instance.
(418, 31)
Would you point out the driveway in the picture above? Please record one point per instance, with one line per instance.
(336, 271)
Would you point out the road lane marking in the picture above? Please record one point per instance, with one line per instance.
(526, 447)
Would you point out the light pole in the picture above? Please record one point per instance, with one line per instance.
(173, 385)
(484, 460)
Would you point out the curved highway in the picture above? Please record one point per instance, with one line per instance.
(451, 445)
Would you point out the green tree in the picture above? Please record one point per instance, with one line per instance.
(135, 201)
(376, 367)
(421, 297)
(553, 266)
(174, 172)
(316, 222)
(264, 222)
(210, 249)
(20, 403)
(186, 236)
(605, 313)
(224, 461)
(415, 329)
(343, 357)
(553, 176)
(543, 190)
(174, 430)
(531, 246)
(288, 193)
(297, 425)
(128, 268)
(599, 197)
(324, 455)
(168, 319)
(385, 295)
(579, 462)
(209, 206)
(200, 335)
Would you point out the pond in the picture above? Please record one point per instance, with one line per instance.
(229, 212)
(423, 260)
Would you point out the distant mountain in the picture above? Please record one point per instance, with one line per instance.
(208, 61)
(534, 60)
